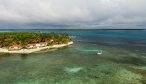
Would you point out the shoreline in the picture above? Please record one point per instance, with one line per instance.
(27, 51)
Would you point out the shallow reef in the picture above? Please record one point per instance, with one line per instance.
(70, 65)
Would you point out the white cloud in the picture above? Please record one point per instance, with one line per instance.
(73, 12)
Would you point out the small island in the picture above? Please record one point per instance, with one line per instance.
(24, 42)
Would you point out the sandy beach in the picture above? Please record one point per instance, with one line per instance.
(27, 51)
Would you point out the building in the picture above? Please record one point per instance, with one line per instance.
(30, 45)
(17, 46)
(37, 45)
(43, 43)
(51, 40)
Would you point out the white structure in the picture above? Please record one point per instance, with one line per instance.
(41, 44)
(30, 45)
(37, 45)
(15, 46)
(52, 40)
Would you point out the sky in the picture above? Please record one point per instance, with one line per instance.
(72, 14)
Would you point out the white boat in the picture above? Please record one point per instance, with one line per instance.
(99, 52)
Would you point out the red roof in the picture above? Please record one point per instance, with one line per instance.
(42, 43)
(30, 44)
(17, 45)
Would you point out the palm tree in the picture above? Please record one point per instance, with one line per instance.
(23, 38)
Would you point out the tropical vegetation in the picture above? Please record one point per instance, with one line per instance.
(23, 38)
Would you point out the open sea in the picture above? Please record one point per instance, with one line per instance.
(123, 59)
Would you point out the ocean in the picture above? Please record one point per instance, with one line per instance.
(123, 59)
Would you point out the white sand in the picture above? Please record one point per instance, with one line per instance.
(34, 50)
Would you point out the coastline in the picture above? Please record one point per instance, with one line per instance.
(27, 51)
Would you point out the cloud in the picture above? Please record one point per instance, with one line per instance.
(72, 12)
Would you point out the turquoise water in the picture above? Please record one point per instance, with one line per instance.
(123, 60)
